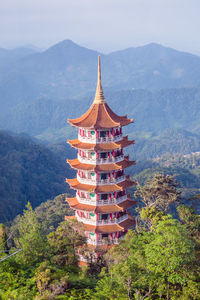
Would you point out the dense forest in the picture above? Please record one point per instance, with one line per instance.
(158, 259)
(28, 172)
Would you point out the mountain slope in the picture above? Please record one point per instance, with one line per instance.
(28, 172)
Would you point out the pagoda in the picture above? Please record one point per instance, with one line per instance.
(101, 202)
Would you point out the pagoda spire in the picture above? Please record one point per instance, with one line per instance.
(99, 96)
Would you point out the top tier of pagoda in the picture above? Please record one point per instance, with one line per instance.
(100, 114)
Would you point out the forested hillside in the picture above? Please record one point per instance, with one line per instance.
(28, 172)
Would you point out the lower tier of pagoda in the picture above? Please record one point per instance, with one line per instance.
(77, 144)
(108, 165)
(122, 206)
(76, 185)
(106, 234)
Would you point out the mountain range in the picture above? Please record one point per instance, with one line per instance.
(156, 85)
(68, 70)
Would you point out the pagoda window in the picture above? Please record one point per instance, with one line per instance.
(117, 132)
(103, 155)
(104, 196)
(104, 176)
(103, 134)
(104, 216)
(119, 173)
(104, 235)
(120, 194)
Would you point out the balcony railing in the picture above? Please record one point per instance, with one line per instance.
(102, 242)
(101, 181)
(94, 139)
(102, 222)
(106, 241)
(101, 202)
(97, 161)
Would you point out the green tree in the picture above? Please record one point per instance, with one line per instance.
(160, 191)
(65, 241)
(152, 264)
(33, 243)
(169, 255)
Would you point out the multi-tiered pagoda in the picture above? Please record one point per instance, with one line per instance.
(101, 200)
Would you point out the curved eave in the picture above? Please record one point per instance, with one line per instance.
(124, 225)
(101, 147)
(100, 116)
(75, 204)
(77, 165)
(76, 185)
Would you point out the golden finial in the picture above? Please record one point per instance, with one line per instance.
(99, 96)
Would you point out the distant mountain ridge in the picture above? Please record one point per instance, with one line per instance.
(68, 70)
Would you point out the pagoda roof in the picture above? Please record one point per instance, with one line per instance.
(109, 228)
(101, 147)
(76, 185)
(75, 204)
(76, 164)
(100, 114)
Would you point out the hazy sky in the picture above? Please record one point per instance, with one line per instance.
(105, 25)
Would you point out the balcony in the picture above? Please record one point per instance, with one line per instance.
(102, 222)
(94, 139)
(102, 242)
(106, 241)
(91, 181)
(90, 201)
(98, 161)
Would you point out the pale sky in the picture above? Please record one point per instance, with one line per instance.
(104, 25)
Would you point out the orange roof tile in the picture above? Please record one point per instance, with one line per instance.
(100, 116)
(76, 185)
(104, 146)
(74, 204)
(76, 164)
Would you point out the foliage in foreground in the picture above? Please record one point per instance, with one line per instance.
(159, 260)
